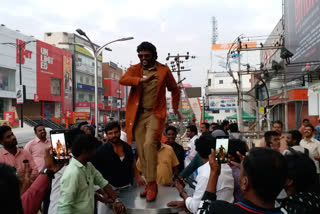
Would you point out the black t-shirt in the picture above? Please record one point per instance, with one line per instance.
(209, 205)
(179, 151)
(118, 173)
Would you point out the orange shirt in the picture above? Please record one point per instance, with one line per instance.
(165, 81)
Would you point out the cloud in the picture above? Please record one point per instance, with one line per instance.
(174, 26)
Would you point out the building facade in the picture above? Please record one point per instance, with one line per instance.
(114, 93)
(46, 74)
(83, 72)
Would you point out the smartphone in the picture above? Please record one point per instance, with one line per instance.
(222, 150)
(58, 142)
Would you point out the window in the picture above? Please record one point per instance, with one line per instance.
(220, 81)
(227, 111)
(87, 80)
(216, 111)
(81, 97)
(55, 87)
(7, 79)
(81, 79)
(209, 82)
(90, 97)
(250, 80)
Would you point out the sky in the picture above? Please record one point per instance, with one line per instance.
(173, 26)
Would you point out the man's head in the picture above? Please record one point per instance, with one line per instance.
(233, 127)
(204, 144)
(272, 139)
(213, 126)
(263, 173)
(277, 126)
(191, 131)
(305, 122)
(293, 138)
(171, 134)
(113, 132)
(9, 190)
(236, 145)
(7, 139)
(308, 131)
(225, 125)
(302, 173)
(204, 127)
(84, 147)
(89, 129)
(82, 124)
(147, 54)
(40, 132)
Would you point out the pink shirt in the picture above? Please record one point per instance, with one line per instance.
(37, 148)
(17, 160)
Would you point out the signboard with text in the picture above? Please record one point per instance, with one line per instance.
(302, 32)
(222, 102)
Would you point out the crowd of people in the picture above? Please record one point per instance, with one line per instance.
(280, 176)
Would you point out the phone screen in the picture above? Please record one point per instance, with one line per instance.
(59, 148)
(222, 150)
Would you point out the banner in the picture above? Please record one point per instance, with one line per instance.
(196, 108)
(20, 94)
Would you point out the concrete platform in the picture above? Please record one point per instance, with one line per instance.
(137, 205)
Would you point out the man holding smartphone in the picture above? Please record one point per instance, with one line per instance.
(225, 185)
(146, 109)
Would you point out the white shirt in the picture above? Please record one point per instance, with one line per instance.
(314, 149)
(55, 191)
(225, 186)
(298, 149)
(192, 151)
(123, 136)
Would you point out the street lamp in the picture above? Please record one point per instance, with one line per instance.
(20, 46)
(96, 52)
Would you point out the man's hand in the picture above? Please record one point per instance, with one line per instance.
(148, 78)
(110, 192)
(177, 204)
(119, 208)
(140, 180)
(25, 178)
(176, 112)
(102, 197)
(214, 165)
(50, 163)
(241, 157)
(178, 185)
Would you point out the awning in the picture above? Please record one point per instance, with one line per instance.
(245, 116)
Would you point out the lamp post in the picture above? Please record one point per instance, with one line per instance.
(95, 52)
(20, 46)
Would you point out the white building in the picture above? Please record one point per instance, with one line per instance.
(221, 92)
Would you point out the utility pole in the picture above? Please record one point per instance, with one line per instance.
(240, 104)
(177, 62)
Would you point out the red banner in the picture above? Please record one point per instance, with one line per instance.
(69, 114)
(9, 116)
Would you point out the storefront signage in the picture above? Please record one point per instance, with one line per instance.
(45, 59)
(86, 52)
(88, 87)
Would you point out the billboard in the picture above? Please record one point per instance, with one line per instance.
(222, 102)
(302, 29)
(54, 75)
(220, 53)
(67, 80)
